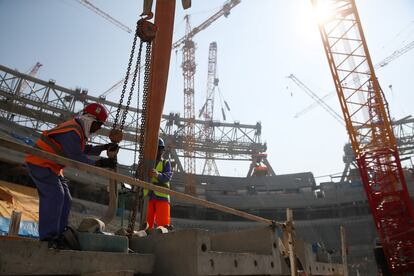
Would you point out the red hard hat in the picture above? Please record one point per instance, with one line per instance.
(97, 110)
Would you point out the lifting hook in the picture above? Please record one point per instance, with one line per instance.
(146, 30)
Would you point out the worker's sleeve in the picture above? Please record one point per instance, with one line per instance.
(166, 174)
(71, 146)
(94, 150)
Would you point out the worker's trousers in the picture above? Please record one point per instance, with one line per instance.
(158, 211)
(54, 201)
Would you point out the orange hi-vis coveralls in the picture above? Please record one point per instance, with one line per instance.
(159, 203)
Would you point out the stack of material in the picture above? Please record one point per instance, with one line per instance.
(19, 199)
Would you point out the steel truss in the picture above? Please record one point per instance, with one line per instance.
(43, 104)
(369, 127)
(404, 133)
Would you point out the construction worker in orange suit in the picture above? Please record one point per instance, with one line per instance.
(68, 140)
(159, 203)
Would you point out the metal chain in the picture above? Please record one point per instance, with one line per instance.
(131, 91)
(137, 206)
(131, 57)
(137, 123)
(144, 104)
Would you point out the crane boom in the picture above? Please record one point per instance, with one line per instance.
(316, 98)
(224, 11)
(32, 72)
(370, 131)
(117, 84)
(103, 14)
(396, 54)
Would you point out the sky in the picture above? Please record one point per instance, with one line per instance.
(259, 44)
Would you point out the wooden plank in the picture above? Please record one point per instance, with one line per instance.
(6, 143)
(14, 226)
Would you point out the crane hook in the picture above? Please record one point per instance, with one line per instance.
(146, 30)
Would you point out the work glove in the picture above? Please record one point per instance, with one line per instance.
(153, 173)
(111, 146)
(106, 163)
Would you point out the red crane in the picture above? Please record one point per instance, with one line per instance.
(369, 127)
(396, 54)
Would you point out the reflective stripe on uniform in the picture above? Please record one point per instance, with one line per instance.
(51, 144)
(159, 168)
(65, 126)
(46, 143)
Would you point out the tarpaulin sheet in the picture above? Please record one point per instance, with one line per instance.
(19, 198)
(27, 228)
(22, 199)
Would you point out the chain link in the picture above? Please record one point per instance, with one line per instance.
(131, 57)
(135, 167)
(138, 202)
(131, 91)
(137, 74)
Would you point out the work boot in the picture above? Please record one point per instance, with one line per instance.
(69, 239)
(57, 243)
(164, 229)
(161, 230)
(52, 243)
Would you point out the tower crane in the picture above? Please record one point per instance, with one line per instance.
(396, 54)
(103, 14)
(32, 72)
(21, 86)
(207, 111)
(369, 127)
(189, 69)
(116, 85)
(316, 98)
(224, 11)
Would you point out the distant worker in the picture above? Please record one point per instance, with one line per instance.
(68, 140)
(159, 203)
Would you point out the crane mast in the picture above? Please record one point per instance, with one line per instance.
(369, 127)
(224, 11)
(210, 166)
(189, 69)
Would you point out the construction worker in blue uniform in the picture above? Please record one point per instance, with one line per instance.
(159, 203)
(69, 140)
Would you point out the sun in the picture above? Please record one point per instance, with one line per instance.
(306, 20)
(322, 12)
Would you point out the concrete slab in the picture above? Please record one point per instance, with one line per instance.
(31, 257)
(196, 252)
(102, 243)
